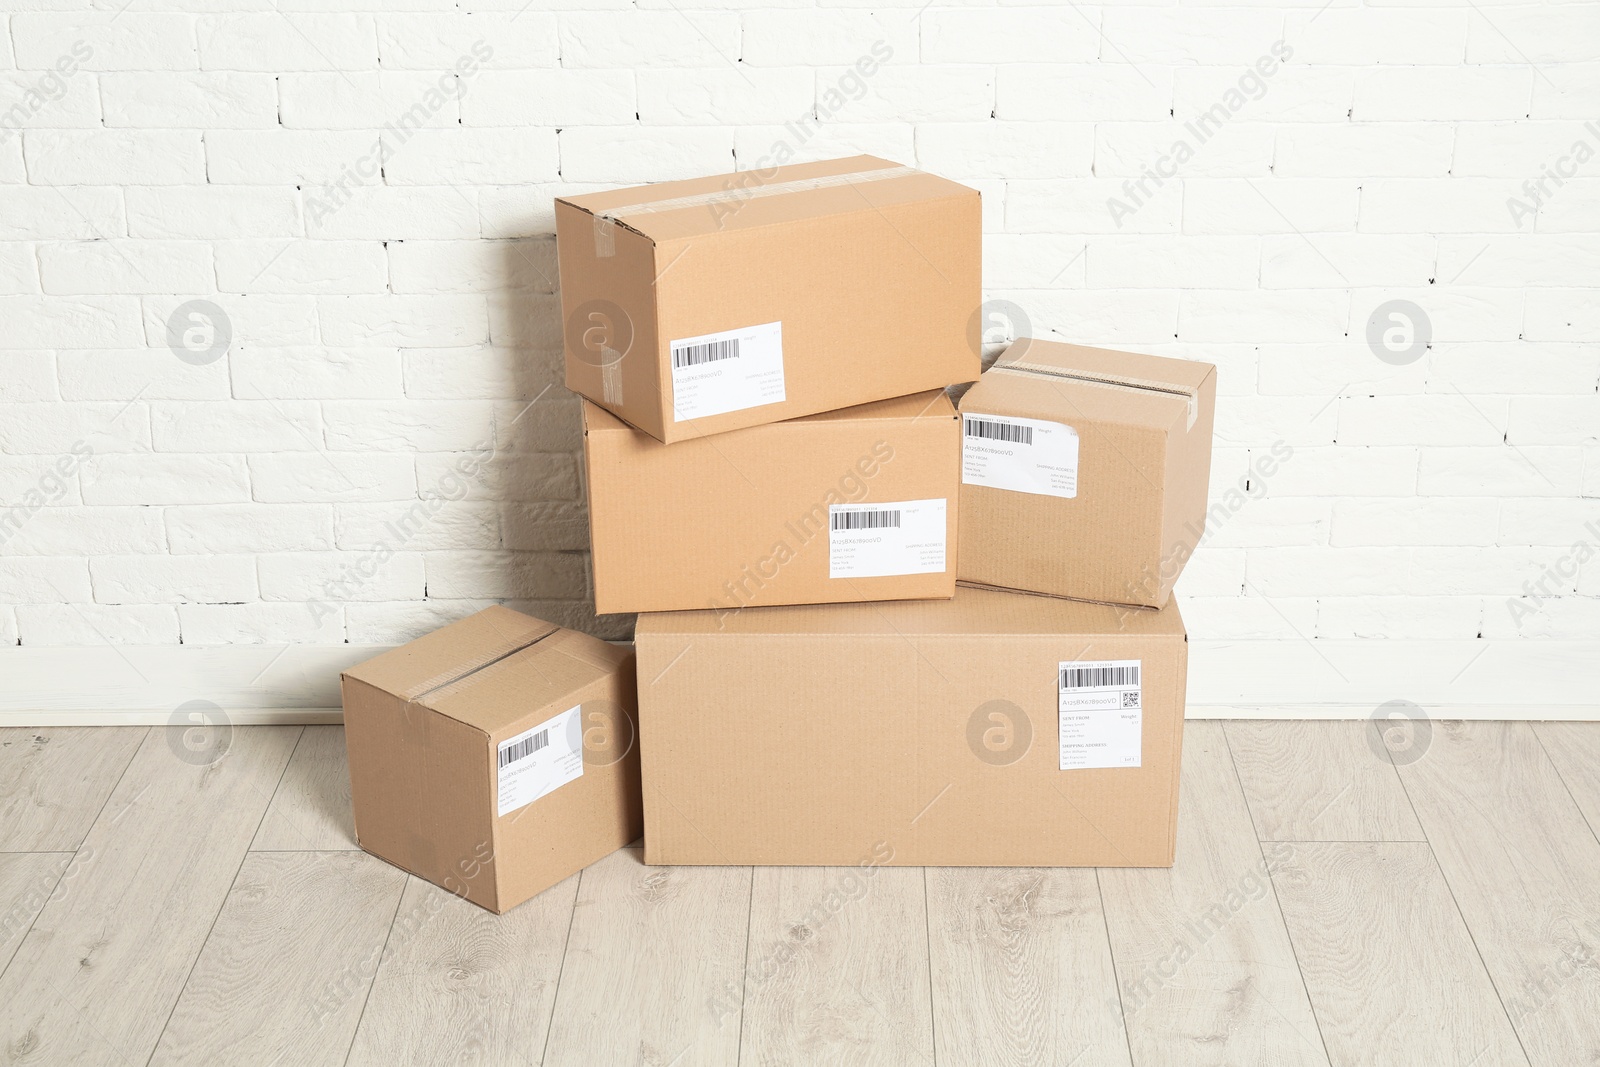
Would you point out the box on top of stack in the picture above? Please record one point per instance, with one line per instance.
(701, 306)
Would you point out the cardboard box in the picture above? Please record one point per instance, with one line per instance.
(494, 757)
(858, 504)
(1084, 472)
(696, 307)
(926, 732)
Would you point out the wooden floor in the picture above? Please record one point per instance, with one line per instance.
(1331, 904)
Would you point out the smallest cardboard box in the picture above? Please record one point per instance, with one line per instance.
(1084, 472)
(494, 757)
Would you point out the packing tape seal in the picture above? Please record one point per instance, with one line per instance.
(739, 195)
(605, 236)
(611, 379)
(1109, 381)
(413, 725)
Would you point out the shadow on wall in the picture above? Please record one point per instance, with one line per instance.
(537, 471)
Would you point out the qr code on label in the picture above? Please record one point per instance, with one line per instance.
(1130, 699)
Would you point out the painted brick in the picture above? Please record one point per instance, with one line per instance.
(328, 578)
(661, 39)
(315, 373)
(164, 479)
(245, 528)
(430, 41)
(1079, 92)
(173, 579)
(104, 41)
(367, 100)
(211, 100)
(281, 41)
(44, 580)
(577, 97)
(114, 157)
(330, 477)
(65, 625)
(302, 266)
(216, 212)
(259, 624)
(93, 267)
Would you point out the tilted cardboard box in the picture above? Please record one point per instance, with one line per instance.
(695, 307)
(494, 757)
(1084, 472)
(857, 504)
(993, 729)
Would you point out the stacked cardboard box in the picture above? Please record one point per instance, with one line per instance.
(780, 485)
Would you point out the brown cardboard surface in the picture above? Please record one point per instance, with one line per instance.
(423, 725)
(742, 518)
(875, 280)
(831, 735)
(1144, 429)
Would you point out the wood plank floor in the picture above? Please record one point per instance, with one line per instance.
(1334, 902)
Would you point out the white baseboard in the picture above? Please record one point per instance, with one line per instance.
(1266, 679)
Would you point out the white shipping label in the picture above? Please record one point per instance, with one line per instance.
(1023, 455)
(541, 760)
(878, 540)
(1102, 714)
(728, 371)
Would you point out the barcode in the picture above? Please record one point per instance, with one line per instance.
(694, 355)
(1000, 431)
(1094, 677)
(865, 520)
(526, 747)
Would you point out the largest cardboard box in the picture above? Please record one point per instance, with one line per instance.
(994, 729)
(694, 307)
(494, 757)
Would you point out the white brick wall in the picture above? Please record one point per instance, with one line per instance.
(364, 462)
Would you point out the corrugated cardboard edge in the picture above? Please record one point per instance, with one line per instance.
(1058, 596)
(1109, 381)
(795, 185)
(1178, 722)
(607, 218)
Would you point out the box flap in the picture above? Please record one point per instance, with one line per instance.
(450, 653)
(694, 207)
(1039, 378)
(973, 611)
(507, 691)
(1131, 370)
